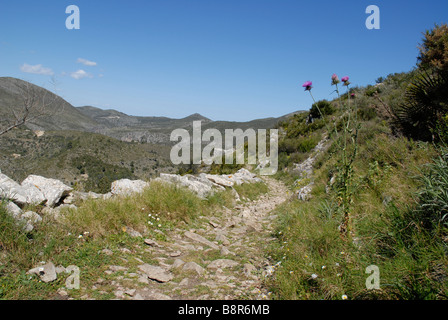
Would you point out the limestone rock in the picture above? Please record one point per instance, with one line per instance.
(46, 272)
(222, 263)
(52, 189)
(194, 267)
(200, 239)
(126, 187)
(155, 273)
(13, 210)
(20, 194)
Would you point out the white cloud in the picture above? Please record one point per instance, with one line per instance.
(37, 69)
(80, 74)
(86, 62)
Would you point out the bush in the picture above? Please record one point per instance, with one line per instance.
(432, 210)
(325, 108)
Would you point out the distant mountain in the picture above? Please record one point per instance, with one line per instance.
(112, 123)
(61, 115)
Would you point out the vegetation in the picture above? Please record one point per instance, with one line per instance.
(86, 161)
(398, 203)
(79, 236)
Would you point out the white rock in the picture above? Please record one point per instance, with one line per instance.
(125, 187)
(31, 217)
(193, 266)
(52, 189)
(13, 210)
(155, 273)
(46, 272)
(200, 239)
(20, 194)
(222, 263)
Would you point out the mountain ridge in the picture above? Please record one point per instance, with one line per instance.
(116, 124)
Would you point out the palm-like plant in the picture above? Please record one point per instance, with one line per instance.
(426, 101)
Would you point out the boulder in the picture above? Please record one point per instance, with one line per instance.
(52, 189)
(20, 194)
(193, 266)
(222, 180)
(155, 273)
(126, 187)
(222, 263)
(46, 272)
(200, 239)
(13, 210)
(199, 185)
(31, 217)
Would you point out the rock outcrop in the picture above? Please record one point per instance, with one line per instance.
(205, 184)
(126, 187)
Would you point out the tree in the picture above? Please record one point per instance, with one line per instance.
(33, 103)
(434, 49)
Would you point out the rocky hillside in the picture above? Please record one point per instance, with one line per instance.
(61, 115)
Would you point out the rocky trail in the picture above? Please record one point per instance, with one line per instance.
(222, 257)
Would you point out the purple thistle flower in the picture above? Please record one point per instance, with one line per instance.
(307, 85)
(334, 79)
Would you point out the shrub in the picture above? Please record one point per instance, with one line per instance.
(434, 49)
(432, 210)
(325, 108)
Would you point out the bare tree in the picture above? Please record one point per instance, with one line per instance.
(34, 103)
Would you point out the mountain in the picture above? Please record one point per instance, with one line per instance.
(61, 115)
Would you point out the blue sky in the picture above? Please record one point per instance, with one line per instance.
(226, 59)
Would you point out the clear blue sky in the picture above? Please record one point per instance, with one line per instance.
(226, 59)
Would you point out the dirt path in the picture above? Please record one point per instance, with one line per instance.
(221, 257)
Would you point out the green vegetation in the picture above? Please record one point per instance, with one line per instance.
(79, 236)
(398, 204)
(87, 161)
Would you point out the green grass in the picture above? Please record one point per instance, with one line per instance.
(79, 236)
(398, 213)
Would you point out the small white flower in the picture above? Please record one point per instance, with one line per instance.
(314, 276)
(324, 267)
(337, 264)
(80, 236)
(158, 219)
(344, 297)
(159, 225)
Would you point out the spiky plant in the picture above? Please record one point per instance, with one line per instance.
(426, 101)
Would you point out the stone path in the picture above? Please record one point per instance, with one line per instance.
(221, 257)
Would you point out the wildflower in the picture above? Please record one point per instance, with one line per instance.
(324, 267)
(314, 276)
(291, 272)
(339, 275)
(337, 264)
(345, 80)
(344, 297)
(159, 225)
(352, 95)
(334, 79)
(307, 85)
